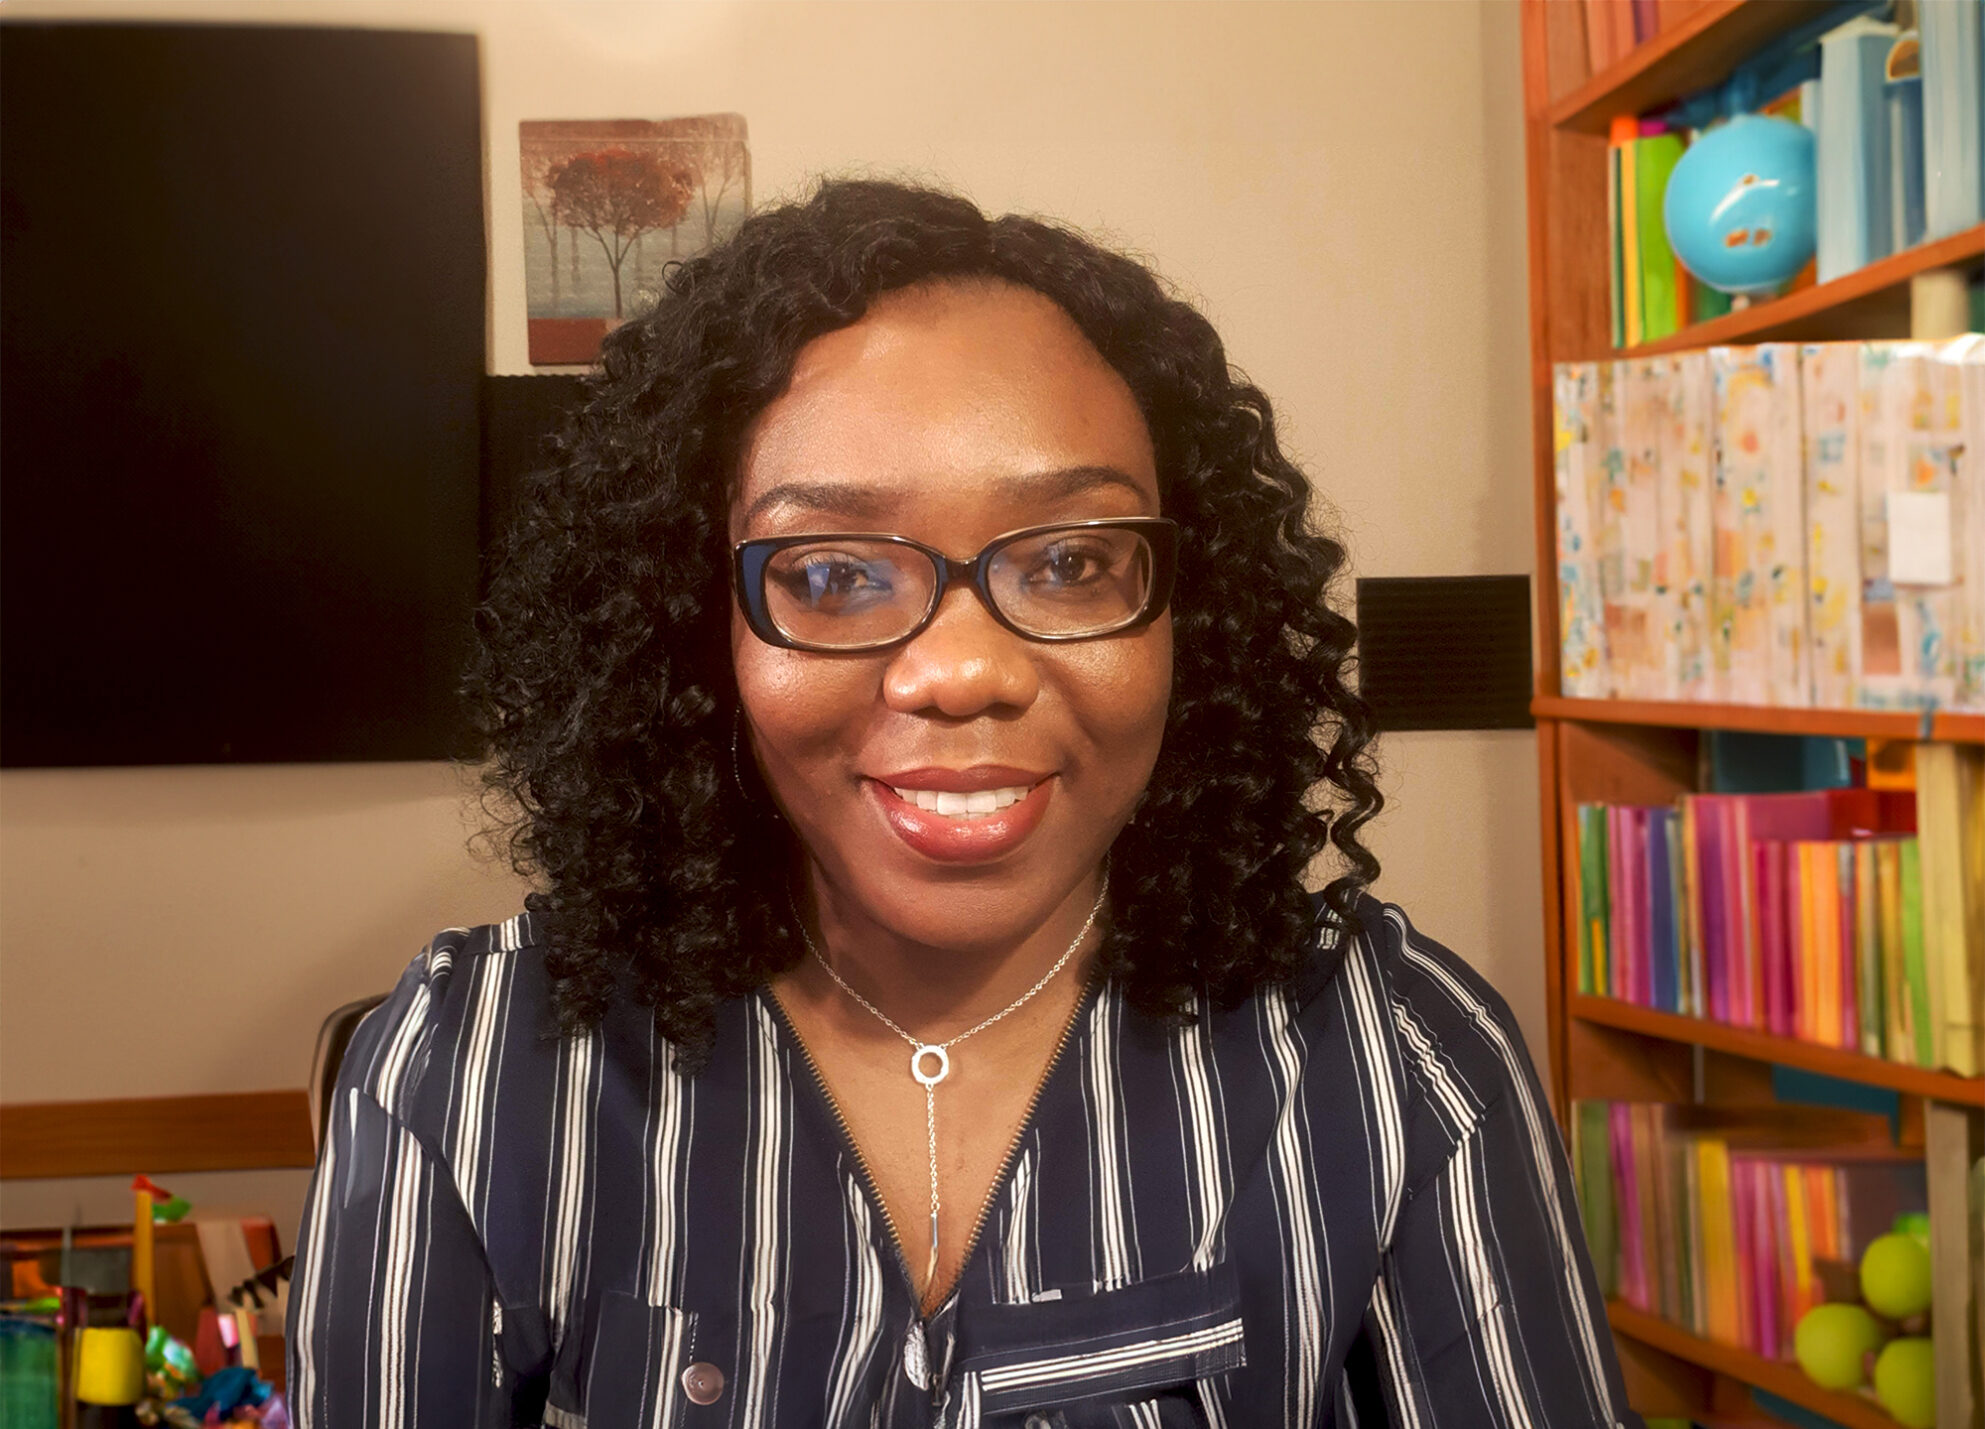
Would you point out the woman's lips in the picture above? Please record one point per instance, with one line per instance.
(947, 839)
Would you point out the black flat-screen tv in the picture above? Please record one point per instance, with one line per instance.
(242, 285)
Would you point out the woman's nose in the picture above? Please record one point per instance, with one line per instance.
(964, 663)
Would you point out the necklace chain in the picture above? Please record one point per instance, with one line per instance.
(942, 1050)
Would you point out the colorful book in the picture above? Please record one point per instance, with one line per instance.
(1868, 971)
(1660, 293)
(1915, 967)
(1594, 919)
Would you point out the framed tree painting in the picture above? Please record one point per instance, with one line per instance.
(608, 204)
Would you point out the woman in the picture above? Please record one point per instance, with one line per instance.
(918, 688)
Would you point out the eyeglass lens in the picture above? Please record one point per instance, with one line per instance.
(1069, 581)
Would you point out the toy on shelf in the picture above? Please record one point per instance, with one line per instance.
(1740, 210)
(1841, 1345)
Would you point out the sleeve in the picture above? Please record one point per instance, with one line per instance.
(392, 1317)
(1486, 1311)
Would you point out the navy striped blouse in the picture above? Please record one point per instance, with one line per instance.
(1341, 1203)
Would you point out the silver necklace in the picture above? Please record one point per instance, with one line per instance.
(940, 1052)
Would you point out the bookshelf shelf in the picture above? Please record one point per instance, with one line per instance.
(1698, 52)
(1767, 719)
(1786, 1051)
(1784, 1380)
(1860, 301)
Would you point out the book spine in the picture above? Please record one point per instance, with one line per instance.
(1868, 952)
(1922, 1048)
(1952, 160)
(1847, 972)
(1689, 447)
(1580, 481)
(1851, 149)
(1829, 390)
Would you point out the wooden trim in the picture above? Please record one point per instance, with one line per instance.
(1762, 321)
(1787, 1051)
(1765, 719)
(1694, 54)
(1537, 191)
(1773, 1376)
(1554, 865)
(234, 1131)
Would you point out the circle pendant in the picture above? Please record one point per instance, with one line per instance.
(917, 1065)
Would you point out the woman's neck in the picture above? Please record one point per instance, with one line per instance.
(935, 991)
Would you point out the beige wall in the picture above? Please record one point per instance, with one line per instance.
(1339, 184)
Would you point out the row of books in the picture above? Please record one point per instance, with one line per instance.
(1601, 33)
(1820, 916)
(1839, 939)
(1896, 120)
(1785, 524)
(1653, 295)
(1722, 1228)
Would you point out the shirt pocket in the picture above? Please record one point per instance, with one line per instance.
(642, 1368)
(1083, 1361)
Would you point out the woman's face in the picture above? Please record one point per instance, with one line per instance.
(952, 414)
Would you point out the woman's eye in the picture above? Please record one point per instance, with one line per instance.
(829, 581)
(1068, 565)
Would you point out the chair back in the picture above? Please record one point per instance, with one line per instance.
(332, 1040)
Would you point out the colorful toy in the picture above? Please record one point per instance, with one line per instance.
(1906, 1382)
(110, 1366)
(1831, 1343)
(1895, 1276)
(1742, 211)
(169, 1367)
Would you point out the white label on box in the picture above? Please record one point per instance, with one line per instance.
(1919, 537)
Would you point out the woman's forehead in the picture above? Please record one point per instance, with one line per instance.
(987, 389)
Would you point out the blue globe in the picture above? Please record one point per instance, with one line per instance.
(1742, 207)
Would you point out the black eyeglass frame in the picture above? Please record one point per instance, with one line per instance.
(750, 558)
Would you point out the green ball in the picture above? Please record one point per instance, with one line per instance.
(1913, 1223)
(1895, 1276)
(1830, 1342)
(1906, 1382)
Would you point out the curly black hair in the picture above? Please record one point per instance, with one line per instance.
(602, 686)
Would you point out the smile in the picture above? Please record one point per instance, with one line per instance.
(962, 825)
(974, 805)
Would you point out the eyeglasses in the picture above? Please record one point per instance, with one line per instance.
(840, 593)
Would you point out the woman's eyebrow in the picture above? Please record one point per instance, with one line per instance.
(868, 503)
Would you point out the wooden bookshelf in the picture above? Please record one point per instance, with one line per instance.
(1784, 1051)
(1786, 1381)
(1869, 302)
(1622, 751)
(1698, 52)
(1767, 719)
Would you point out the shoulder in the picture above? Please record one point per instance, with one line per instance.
(466, 986)
(1437, 1023)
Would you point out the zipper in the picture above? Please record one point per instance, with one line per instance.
(1006, 1162)
(848, 1140)
(998, 1185)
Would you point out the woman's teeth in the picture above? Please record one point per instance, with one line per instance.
(975, 805)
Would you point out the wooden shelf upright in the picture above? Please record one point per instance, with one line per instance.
(1639, 752)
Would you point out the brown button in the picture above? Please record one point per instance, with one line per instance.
(703, 1382)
